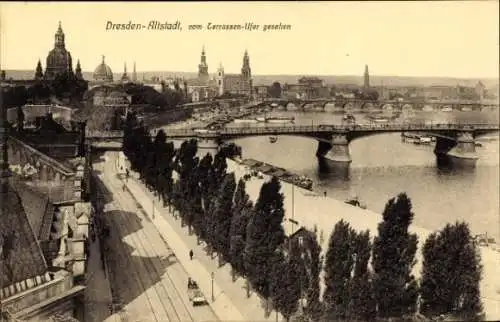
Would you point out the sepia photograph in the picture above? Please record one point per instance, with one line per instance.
(274, 161)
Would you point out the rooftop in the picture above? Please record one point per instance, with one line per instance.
(22, 257)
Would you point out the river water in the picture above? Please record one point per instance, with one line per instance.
(383, 166)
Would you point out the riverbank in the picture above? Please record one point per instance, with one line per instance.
(206, 118)
(311, 210)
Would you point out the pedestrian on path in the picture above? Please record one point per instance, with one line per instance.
(191, 254)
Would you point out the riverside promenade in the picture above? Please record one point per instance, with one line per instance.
(220, 303)
(309, 209)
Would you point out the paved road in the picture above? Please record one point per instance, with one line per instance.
(145, 275)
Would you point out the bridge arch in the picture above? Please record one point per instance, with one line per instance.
(331, 102)
(367, 105)
(291, 105)
(348, 106)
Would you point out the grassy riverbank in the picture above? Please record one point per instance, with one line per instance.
(311, 210)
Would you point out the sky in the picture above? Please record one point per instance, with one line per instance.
(451, 39)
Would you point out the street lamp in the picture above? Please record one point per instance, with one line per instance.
(153, 208)
(212, 277)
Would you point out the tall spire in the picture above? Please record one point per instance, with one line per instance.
(78, 70)
(39, 71)
(202, 66)
(366, 83)
(125, 68)
(203, 56)
(103, 59)
(246, 71)
(134, 74)
(59, 37)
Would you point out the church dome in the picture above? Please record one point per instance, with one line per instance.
(103, 72)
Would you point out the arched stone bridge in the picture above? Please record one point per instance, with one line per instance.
(360, 105)
(454, 139)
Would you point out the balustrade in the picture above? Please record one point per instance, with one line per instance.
(321, 128)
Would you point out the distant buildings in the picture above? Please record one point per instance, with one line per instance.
(204, 88)
(436, 92)
(306, 88)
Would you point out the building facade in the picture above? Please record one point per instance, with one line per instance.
(43, 223)
(236, 83)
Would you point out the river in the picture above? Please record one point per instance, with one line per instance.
(383, 166)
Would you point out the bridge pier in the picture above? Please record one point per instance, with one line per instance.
(464, 153)
(208, 144)
(336, 151)
(461, 151)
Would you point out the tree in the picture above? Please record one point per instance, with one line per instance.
(362, 304)
(264, 234)
(242, 211)
(204, 175)
(338, 266)
(313, 263)
(451, 274)
(393, 259)
(275, 90)
(187, 163)
(223, 215)
(285, 281)
(165, 169)
(217, 174)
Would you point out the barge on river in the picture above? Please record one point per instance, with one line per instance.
(282, 174)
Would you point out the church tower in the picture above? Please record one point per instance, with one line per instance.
(134, 74)
(125, 76)
(203, 67)
(78, 71)
(366, 84)
(246, 72)
(59, 59)
(220, 79)
(246, 75)
(39, 71)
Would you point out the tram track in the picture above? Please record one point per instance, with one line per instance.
(132, 269)
(153, 269)
(150, 245)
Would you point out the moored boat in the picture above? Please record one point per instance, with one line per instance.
(280, 119)
(378, 118)
(275, 119)
(354, 201)
(245, 120)
(417, 138)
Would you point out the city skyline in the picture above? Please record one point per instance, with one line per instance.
(370, 34)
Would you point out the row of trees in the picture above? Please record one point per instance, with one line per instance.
(365, 278)
(449, 283)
